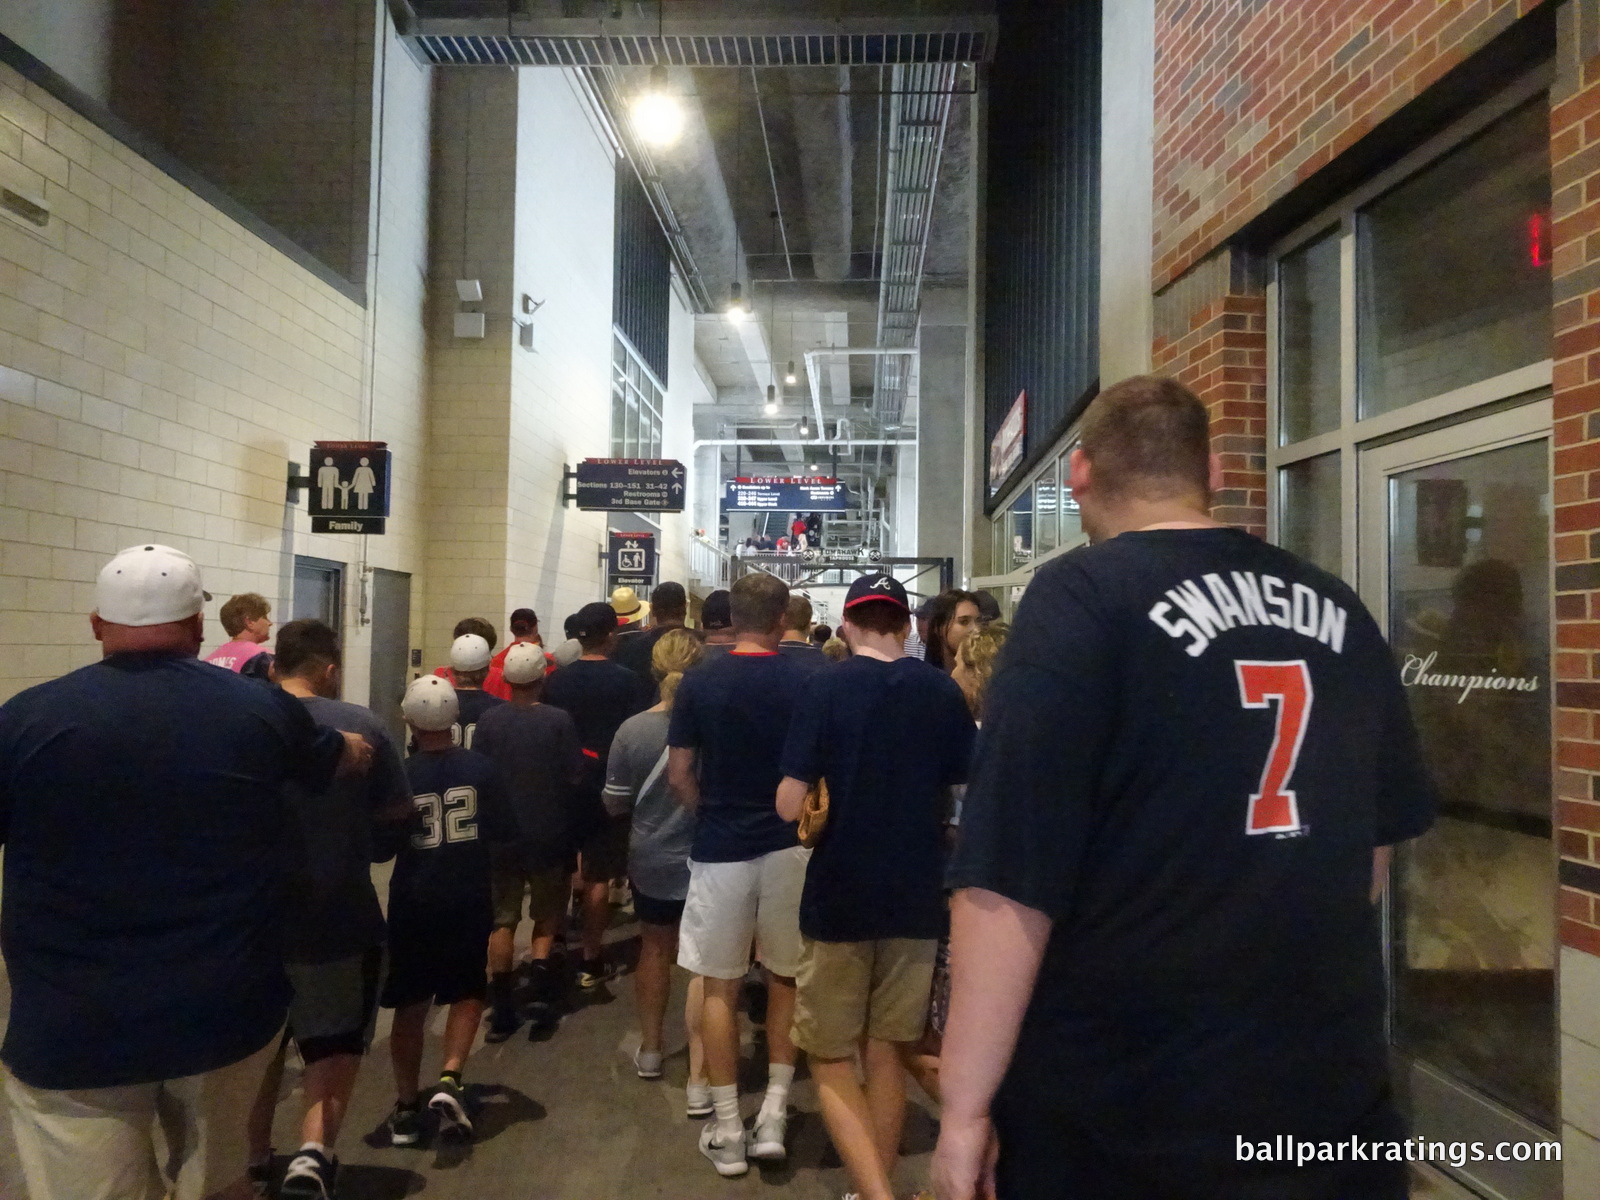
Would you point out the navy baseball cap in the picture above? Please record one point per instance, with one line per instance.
(717, 611)
(877, 587)
(594, 620)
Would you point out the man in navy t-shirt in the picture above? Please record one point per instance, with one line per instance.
(599, 695)
(890, 735)
(746, 867)
(143, 815)
(1196, 752)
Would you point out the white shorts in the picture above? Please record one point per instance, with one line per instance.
(731, 904)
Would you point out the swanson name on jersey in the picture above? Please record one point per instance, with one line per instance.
(1201, 613)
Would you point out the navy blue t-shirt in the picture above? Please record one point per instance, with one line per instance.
(890, 738)
(461, 807)
(144, 816)
(734, 710)
(1191, 745)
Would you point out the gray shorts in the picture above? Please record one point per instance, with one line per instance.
(335, 1004)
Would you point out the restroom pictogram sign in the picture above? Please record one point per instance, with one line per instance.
(348, 486)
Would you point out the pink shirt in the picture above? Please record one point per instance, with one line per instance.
(234, 655)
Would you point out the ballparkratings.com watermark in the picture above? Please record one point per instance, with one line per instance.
(1287, 1149)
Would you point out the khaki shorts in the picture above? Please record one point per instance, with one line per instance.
(101, 1144)
(848, 990)
(546, 890)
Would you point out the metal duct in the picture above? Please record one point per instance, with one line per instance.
(919, 116)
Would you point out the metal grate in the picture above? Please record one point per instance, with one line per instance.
(783, 50)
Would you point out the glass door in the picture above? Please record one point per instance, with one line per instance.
(1455, 562)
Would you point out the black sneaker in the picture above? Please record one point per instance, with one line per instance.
(405, 1124)
(310, 1177)
(260, 1176)
(450, 1103)
(592, 974)
(503, 1023)
(543, 1020)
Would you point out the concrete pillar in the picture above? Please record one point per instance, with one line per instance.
(1127, 122)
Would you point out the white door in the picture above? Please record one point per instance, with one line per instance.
(1455, 564)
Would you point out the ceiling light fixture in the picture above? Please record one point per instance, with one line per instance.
(805, 426)
(789, 376)
(737, 309)
(657, 113)
(772, 401)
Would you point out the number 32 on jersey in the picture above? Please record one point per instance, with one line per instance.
(1285, 686)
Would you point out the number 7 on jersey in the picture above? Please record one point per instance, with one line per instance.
(1274, 808)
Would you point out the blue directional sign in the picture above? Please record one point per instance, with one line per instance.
(787, 497)
(630, 485)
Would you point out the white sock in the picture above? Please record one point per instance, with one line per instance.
(779, 1077)
(726, 1101)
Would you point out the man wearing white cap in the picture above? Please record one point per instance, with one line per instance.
(470, 660)
(439, 908)
(536, 747)
(142, 811)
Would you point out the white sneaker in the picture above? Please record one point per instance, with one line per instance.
(726, 1155)
(648, 1065)
(697, 1101)
(766, 1139)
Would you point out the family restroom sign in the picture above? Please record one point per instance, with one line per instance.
(348, 484)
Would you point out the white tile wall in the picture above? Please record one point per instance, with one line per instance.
(160, 365)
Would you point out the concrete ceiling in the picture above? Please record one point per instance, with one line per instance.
(779, 181)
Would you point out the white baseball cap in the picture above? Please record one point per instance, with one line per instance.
(524, 663)
(149, 585)
(469, 652)
(430, 703)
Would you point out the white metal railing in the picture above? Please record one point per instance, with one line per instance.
(710, 566)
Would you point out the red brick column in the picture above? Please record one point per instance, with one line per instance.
(1575, 267)
(1211, 333)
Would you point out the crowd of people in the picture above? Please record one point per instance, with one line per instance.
(1042, 872)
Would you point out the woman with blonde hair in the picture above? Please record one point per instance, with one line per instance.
(975, 660)
(658, 861)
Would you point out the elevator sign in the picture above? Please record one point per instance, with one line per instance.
(630, 485)
(349, 487)
(631, 561)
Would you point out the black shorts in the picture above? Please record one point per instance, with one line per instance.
(605, 851)
(651, 911)
(437, 957)
(335, 1004)
(1046, 1158)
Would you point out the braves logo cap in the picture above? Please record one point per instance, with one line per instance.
(877, 587)
(149, 585)
(524, 663)
(469, 652)
(430, 703)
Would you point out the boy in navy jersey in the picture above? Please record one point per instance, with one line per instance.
(1195, 757)
(440, 914)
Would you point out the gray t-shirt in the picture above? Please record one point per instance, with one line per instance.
(333, 911)
(537, 750)
(658, 850)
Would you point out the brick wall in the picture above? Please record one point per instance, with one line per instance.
(1253, 96)
(1211, 333)
(1575, 182)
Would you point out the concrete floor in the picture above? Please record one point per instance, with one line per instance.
(567, 1119)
